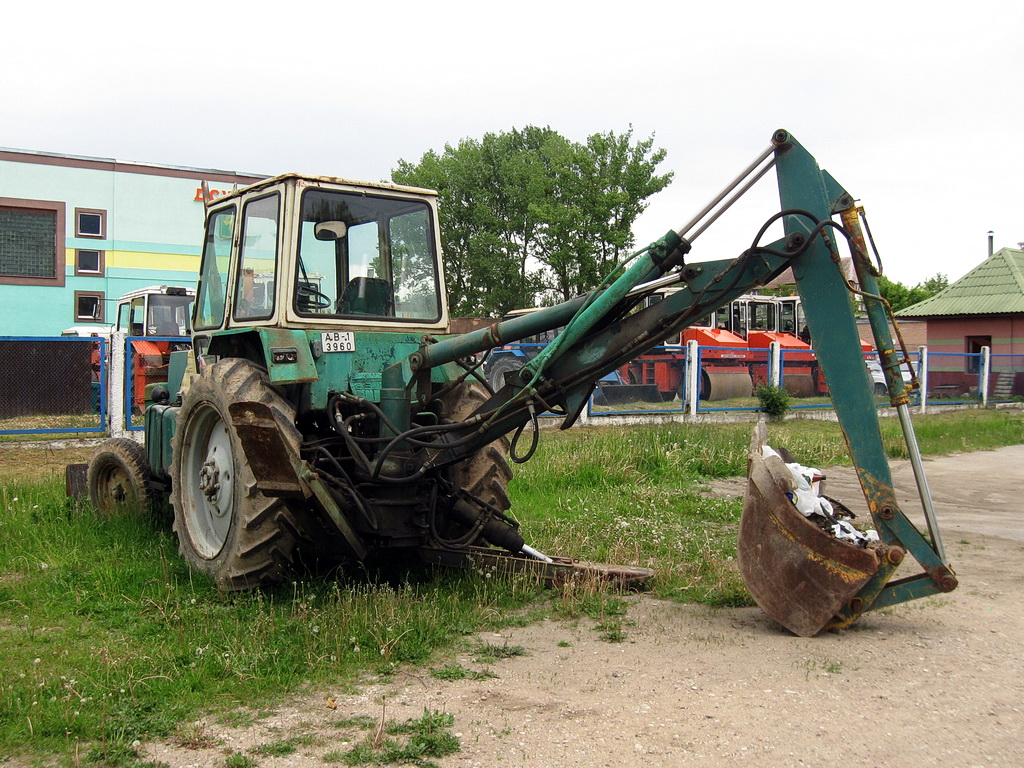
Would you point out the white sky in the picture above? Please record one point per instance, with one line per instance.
(917, 111)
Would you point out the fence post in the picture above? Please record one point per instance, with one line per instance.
(775, 366)
(922, 377)
(115, 384)
(692, 374)
(986, 362)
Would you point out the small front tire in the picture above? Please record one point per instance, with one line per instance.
(119, 478)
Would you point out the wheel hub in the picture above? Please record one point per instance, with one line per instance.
(210, 476)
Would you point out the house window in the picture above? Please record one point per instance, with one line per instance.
(89, 263)
(31, 242)
(973, 345)
(90, 222)
(89, 307)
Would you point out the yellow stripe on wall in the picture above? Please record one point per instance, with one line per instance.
(141, 260)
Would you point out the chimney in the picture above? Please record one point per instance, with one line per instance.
(991, 237)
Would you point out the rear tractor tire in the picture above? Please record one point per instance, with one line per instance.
(486, 474)
(119, 478)
(227, 528)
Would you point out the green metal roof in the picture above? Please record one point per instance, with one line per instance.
(994, 287)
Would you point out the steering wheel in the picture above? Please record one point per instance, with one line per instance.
(310, 298)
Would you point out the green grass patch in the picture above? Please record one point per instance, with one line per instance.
(106, 637)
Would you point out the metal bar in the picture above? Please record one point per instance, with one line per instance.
(682, 232)
(922, 482)
(746, 188)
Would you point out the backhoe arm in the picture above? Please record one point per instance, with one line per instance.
(604, 330)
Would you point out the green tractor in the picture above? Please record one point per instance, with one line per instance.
(326, 412)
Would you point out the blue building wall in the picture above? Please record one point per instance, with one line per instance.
(153, 217)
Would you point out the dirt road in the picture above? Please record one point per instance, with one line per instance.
(938, 681)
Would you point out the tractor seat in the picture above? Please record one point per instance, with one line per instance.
(367, 296)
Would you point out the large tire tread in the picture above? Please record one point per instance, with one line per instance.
(486, 474)
(260, 544)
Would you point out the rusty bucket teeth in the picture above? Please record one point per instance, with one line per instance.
(798, 574)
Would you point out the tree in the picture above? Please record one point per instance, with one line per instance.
(900, 296)
(528, 215)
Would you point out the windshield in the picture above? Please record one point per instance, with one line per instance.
(169, 315)
(363, 256)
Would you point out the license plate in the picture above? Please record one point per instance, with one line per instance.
(337, 341)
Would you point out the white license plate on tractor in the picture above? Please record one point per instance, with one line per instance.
(337, 341)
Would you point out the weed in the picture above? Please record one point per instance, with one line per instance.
(238, 760)
(611, 631)
(194, 737)
(813, 667)
(564, 644)
(278, 748)
(450, 672)
(409, 743)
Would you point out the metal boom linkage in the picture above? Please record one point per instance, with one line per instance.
(604, 330)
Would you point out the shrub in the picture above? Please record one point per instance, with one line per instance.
(774, 400)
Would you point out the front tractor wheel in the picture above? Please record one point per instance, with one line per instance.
(227, 528)
(119, 478)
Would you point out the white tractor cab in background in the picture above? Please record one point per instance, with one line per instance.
(158, 310)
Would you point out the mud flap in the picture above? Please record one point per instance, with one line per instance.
(798, 574)
(264, 448)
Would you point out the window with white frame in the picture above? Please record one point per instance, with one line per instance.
(89, 263)
(90, 222)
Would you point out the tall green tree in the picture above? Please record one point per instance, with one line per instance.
(900, 296)
(528, 216)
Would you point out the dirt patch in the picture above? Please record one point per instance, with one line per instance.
(938, 681)
(32, 462)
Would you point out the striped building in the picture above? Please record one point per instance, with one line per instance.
(76, 233)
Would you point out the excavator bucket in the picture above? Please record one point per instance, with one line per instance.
(797, 573)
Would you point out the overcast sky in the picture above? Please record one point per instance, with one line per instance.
(917, 111)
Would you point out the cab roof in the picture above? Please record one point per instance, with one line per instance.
(327, 180)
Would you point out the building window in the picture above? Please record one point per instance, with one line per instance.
(90, 222)
(31, 242)
(89, 307)
(89, 263)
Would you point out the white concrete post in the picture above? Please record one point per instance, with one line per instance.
(775, 366)
(692, 374)
(986, 363)
(922, 376)
(115, 386)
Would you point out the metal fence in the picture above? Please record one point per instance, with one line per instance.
(87, 385)
(53, 385)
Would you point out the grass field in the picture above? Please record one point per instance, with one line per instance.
(106, 637)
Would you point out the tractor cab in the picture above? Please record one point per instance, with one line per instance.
(320, 253)
(158, 310)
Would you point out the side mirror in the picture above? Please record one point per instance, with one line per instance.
(330, 230)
